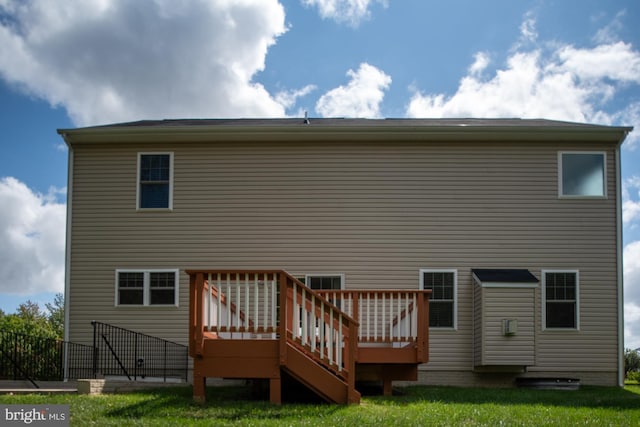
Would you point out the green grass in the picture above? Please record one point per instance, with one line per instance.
(416, 406)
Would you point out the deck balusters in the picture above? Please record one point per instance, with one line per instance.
(273, 305)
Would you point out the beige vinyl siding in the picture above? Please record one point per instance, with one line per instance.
(505, 303)
(478, 325)
(377, 212)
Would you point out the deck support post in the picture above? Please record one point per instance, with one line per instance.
(386, 387)
(275, 391)
(199, 388)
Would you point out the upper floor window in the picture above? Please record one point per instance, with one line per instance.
(147, 287)
(560, 299)
(442, 303)
(155, 180)
(582, 174)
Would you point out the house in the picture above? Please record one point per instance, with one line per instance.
(514, 226)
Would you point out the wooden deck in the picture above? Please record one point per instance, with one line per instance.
(261, 324)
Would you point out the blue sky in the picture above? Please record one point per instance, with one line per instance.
(74, 63)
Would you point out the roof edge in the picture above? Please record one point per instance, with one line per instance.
(373, 130)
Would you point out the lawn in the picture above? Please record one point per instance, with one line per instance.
(414, 406)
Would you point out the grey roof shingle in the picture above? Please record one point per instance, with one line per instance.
(340, 122)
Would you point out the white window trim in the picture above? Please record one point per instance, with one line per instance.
(152, 153)
(604, 181)
(146, 290)
(544, 300)
(455, 294)
(307, 276)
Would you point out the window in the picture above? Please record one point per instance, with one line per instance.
(328, 282)
(333, 281)
(560, 299)
(130, 288)
(442, 303)
(582, 174)
(147, 287)
(155, 180)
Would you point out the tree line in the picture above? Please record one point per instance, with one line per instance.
(31, 319)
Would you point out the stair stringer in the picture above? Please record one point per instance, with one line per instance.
(317, 378)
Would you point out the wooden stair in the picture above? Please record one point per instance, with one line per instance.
(310, 372)
(266, 324)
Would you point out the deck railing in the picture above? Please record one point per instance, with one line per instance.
(320, 327)
(238, 304)
(389, 318)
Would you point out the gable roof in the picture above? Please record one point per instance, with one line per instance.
(315, 129)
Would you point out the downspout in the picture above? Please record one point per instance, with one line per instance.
(67, 255)
(620, 266)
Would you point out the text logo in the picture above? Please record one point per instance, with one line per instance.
(34, 415)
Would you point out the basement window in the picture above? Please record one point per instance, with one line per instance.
(147, 287)
(582, 174)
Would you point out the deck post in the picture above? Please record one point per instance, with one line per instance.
(199, 306)
(352, 395)
(192, 314)
(355, 314)
(199, 384)
(282, 327)
(275, 391)
(423, 327)
(387, 390)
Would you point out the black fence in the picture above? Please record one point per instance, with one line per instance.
(122, 352)
(26, 357)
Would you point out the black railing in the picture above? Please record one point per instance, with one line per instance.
(122, 352)
(26, 357)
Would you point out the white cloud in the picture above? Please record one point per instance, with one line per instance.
(528, 30)
(632, 294)
(559, 82)
(351, 12)
(361, 97)
(126, 60)
(609, 33)
(631, 199)
(289, 98)
(615, 61)
(631, 325)
(32, 239)
(480, 63)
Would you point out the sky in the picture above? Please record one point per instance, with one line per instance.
(73, 63)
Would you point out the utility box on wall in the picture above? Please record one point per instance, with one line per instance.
(510, 326)
(504, 317)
